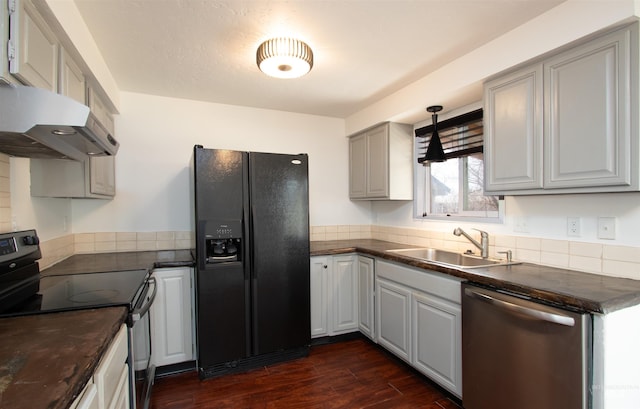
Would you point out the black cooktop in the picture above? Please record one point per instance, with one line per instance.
(82, 291)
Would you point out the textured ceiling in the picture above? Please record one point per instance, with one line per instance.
(364, 50)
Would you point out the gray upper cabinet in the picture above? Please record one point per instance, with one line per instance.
(37, 57)
(564, 124)
(71, 79)
(33, 47)
(93, 178)
(588, 114)
(4, 32)
(380, 163)
(99, 109)
(513, 130)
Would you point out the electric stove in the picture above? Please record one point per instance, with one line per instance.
(82, 291)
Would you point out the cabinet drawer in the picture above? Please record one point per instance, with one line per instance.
(121, 398)
(88, 398)
(107, 376)
(430, 282)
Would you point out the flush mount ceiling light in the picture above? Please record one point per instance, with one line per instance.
(434, 153)
(284, 58)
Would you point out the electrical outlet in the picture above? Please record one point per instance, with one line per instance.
(607, 228)
(521, 225)
(573, 226)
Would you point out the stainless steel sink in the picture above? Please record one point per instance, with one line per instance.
(449, 258)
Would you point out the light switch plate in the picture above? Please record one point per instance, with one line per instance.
(607, 228)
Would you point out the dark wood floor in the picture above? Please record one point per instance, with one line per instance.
(349, 374)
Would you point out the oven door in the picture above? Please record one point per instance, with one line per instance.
(141, 371)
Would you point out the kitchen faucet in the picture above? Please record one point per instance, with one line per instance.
(484, 241)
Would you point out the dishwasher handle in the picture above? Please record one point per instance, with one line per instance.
(530, 312)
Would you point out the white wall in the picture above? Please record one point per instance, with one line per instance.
(157, 136)
(51, 217)
(460, 82)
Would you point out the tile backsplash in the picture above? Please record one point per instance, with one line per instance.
(58, 249)
(615, 261)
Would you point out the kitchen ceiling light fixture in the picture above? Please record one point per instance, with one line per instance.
(284, 58)
(434, 153)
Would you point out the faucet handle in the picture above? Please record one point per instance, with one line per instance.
(508, 253)
(482, 233)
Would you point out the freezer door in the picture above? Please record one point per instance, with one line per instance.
(279, 198)
(219, 184)
(222, 314)
(222, 309)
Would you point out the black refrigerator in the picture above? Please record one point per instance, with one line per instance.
(252, 259)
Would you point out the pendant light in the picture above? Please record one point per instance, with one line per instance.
(434, 153)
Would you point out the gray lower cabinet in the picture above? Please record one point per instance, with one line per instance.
(393, 311)
(172, 317)
(564, 124)
(419, 319)
(437, 340)
(366, 296)
(334, 295)
(109, 385)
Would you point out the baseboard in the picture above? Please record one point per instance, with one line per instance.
(246, 364)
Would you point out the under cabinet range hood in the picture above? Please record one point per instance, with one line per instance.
(38, 123)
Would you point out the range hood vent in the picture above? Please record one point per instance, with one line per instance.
(37, 123)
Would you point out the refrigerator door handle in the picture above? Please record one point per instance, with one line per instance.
(519, 309)
(251, 271)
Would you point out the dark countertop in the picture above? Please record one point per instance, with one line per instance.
(565, 288)
(45, 360)
(135, 260)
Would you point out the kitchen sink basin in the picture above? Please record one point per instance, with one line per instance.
(449, 258)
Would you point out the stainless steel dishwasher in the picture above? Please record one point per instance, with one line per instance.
(521, 354)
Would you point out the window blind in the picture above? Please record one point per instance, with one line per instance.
(460, 136)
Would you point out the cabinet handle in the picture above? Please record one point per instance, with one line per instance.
(324, 266)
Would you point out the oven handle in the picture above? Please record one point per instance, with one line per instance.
(138, 313)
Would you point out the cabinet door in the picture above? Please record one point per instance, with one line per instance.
(437, 341)
(358, 166)
(120, 399)
(88, 398)
(111, 370)
(393, 313)
(588, 108)
(513, 131)
(36, 49)
(366, 296)
(378, 162)
(100, 110)
(102, 175)
(171, 317)
(320, 270)
(345, 294)
(4, 40)
(71, 80)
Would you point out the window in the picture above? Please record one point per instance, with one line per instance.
(454, 189)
